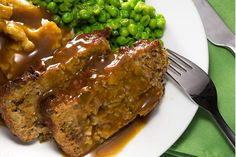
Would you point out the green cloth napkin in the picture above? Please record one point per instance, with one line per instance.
(203, 138)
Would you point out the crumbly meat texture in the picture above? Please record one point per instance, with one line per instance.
(19, 99)
(99, 102)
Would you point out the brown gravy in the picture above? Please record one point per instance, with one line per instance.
(31, 17)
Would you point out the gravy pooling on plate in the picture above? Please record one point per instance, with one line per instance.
(116, 144)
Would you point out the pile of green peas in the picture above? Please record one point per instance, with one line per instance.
(130, 20)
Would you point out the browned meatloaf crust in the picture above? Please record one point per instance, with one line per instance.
(19, 99)
(111, 92)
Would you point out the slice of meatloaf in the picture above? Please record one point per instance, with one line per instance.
(19, 98)
(111, 92)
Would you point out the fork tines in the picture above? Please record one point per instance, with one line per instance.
(178, 64)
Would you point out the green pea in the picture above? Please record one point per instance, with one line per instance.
(63, 8)
(124, 32)
(108, 15)
(52, 7)
(139, 7)
(84, 14)
(121, 40)
(148, 30)
(132, 14)
(126, 6)
(87, 29)
(90, 2)
(118, 19)
(138, 36)
(100, 2)
(114, 24)
(149, 10)
(62, 24)
(97, 26)
(159, 33)
(130, 41)
(137, 17)
(97, 10)
(145, 20)
(131, 21)
(133, 29)
(113, 11)
(43, 4)
(124, 13)
(108, 24)
(56, 19)
(145, 35)
(135, 1)
(109, 21)
(115, 33)
(152, 36)
(160, 16)
(161, 23)
(68, 4)
(140, 27)
(153, 23)
(115, 3)
(67, 17)
(35, 1)
(124, 22)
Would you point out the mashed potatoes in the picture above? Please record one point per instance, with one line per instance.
(26, 36)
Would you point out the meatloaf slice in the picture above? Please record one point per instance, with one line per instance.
(19, 99)
(110, 93)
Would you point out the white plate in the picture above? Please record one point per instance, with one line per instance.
(185, 35)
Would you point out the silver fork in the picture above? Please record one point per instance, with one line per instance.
(199, 87)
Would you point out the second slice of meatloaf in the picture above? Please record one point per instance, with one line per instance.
(115, 90)
(19, 99)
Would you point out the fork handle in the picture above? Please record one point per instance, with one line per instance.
(224, 127)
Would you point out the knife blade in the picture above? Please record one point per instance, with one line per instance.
(216, 30)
